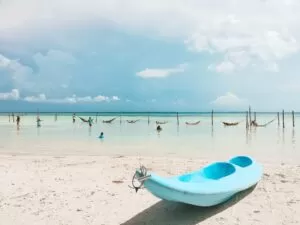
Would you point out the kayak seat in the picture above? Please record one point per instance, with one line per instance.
(218, 170)
(214, 171)
(241, 161)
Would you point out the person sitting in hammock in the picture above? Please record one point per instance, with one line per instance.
(74, 117)
(254, 123)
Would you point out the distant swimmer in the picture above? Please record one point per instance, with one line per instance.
(101, 135)
(74, 117)
(158, 128)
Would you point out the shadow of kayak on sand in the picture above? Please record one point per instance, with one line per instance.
(165, 212)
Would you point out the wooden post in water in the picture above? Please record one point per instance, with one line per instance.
(212, 117)
(120, 118)
(278, 119)
(250, 115)
(177, 119)
(255, 116)
(247, 121)
(293, 114)
(283, 119)
(148, 119)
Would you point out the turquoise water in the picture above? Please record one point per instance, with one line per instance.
(62, 137)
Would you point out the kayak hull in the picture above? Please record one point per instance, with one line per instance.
(203, 200)
(209, 186)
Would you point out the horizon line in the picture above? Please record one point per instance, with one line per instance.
(145, 112)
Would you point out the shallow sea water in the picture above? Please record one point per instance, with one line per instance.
(62, 137)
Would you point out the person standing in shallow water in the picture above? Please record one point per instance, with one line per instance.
(38, 121)
(73, 117)
(18, 121)
(90, 121)
(158, 128)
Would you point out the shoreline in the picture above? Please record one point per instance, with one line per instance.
(94, 190)
(207, 158)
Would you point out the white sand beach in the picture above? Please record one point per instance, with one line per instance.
(91, 90)
(93, 190)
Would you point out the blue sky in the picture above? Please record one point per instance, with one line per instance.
(149, 55)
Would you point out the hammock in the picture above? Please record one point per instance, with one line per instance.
(262, 125)
(109, 121)
(84, 120)
(195, 123)
(132, 121)
(157, 122)
(230, 124)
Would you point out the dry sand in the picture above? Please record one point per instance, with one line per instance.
(38, 190)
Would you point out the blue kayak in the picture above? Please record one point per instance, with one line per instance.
(211, 185)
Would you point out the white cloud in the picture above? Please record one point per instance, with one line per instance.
(4, 62)
(84, 99)
(223, 67)
(40, 98)
(13, 95)
(51, 73)
(70, 100)
(101, 98)
(115, 98)
(19, 72)
(54, 56)
(229, 100)
(161, 73)
(212, 26)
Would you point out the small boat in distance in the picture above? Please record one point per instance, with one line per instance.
(194, 123)
(211, 185)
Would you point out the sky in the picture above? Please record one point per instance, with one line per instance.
(138, 55)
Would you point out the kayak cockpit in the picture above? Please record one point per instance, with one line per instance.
(214, 171)
(241, 161)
